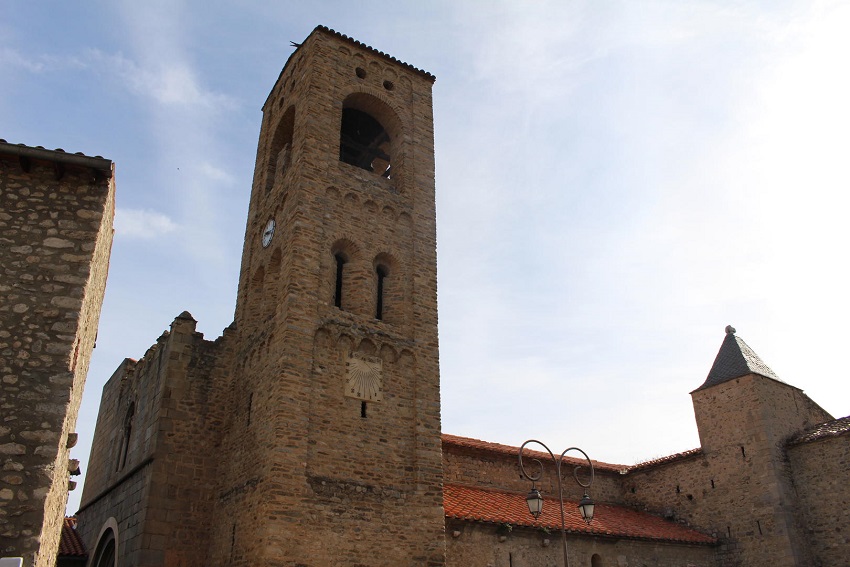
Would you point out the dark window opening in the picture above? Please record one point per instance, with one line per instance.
(712, 483)
(105, 553)
(340, 263)
(743, 453)
(382, 273)
(389, 85)
(360, 72)
(125, 441)
(364, 143)
(250, 405)
(363, 409)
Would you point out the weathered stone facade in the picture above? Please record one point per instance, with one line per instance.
(308, 434)
(157, 435)
(482, 545)
(56, 213)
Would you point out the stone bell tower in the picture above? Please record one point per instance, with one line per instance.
(335, 459)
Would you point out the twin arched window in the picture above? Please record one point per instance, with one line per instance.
(347, 298)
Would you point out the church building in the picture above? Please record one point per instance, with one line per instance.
(308, 434)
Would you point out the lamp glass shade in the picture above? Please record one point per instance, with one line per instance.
(535, 502)
(586, 507)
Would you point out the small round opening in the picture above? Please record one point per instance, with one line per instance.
(388, 85)
(360, 72)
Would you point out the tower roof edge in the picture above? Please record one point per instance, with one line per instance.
(328, 31)
(735, 359)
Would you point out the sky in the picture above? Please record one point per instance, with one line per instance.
(616, 182)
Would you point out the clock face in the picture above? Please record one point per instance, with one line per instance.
(268, 233)
(364, 378)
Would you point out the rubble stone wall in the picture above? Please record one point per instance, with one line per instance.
(820, 479)
(56, 214)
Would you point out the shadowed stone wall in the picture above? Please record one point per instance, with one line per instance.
(154, 458)
(821, 474)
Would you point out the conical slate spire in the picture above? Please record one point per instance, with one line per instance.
(735, 359)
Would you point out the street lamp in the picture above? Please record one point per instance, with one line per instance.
(534, 500)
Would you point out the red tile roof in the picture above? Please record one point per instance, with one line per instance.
(501, 507)
(70, 543)
(455, 442)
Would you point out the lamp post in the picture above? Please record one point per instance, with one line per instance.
(535, 500)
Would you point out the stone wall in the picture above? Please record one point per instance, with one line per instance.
(743, 425)
(56, 213)
(154, 460)
(123, 448)
(485, 545)
(332, 476)
(821, 478)
(738, 487)
(488, 469)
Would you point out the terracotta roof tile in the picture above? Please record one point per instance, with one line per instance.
(826, 429)
(500, 507)
(456, 442)
(70, 543)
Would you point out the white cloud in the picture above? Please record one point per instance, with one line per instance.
(169, 84)
(214, 173)
(143, 224)
(12, 58)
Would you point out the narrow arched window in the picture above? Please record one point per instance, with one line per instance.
(596, 560)
(381, 273)
(340, 265)
(280, 149)
(125, 440)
